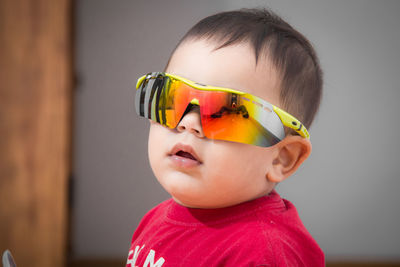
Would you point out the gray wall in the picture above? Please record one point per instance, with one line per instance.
(346, 193)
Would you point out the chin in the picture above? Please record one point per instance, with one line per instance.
(199, 204)
(189, 202)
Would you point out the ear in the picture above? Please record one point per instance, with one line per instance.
(291, 152)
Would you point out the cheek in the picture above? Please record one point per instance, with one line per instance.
(238, 162)
(156, 142)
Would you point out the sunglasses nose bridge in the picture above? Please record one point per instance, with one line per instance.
(191, 121)
(195, 101)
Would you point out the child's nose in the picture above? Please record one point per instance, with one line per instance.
(191, 122)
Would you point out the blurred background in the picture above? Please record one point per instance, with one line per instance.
(74, 174)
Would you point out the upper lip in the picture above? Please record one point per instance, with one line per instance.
(185, 148)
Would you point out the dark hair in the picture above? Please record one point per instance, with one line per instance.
(290, 52)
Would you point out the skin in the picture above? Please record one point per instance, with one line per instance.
(227, 173)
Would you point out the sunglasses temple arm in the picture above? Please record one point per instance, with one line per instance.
(291, 122)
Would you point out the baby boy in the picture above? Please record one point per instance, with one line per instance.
(229, 118)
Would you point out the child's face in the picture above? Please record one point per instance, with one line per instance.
(225, 173)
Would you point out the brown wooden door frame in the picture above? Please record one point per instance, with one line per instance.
(35, 129)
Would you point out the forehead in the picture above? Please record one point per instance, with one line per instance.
(232, 67)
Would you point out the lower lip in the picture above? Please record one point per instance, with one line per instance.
(184, 162)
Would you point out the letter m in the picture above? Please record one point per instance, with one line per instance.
(150, 260)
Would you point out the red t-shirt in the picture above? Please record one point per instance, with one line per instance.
(263, 232)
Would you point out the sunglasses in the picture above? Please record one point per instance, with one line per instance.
(225, 114)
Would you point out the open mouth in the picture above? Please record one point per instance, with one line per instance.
(184, 154)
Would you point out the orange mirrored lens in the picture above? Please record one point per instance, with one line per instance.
(224, 115)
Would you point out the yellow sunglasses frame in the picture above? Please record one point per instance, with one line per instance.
(287, 119)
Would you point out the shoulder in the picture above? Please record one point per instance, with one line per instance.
(277, 237)
(158, 210)
(153, 217)
(290, 242)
